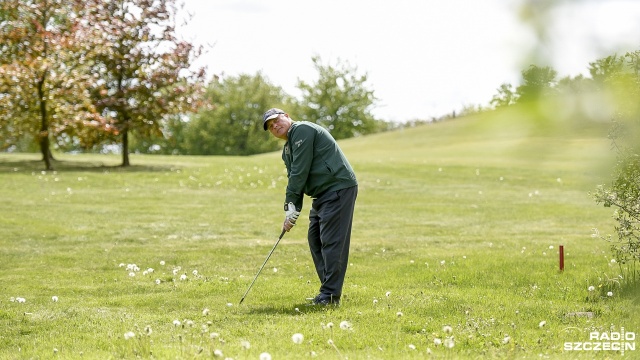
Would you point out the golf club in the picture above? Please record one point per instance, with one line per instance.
(263, 264)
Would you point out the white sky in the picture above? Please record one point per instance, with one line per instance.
(424, 58)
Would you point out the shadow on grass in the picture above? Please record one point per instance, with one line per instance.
(29, 166)
(302, 308)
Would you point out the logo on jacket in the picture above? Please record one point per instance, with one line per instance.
(299, 142)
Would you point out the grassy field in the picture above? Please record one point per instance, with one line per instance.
(454, 252)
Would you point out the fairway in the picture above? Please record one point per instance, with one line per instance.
(454, 252)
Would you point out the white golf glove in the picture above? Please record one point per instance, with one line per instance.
(291, 214)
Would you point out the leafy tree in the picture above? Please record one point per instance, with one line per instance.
(232, 122)
(43, 80)
(537, 82)
(142, 70)
(505, 97)
(339, 100)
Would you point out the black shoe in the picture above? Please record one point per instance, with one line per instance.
(324, 300)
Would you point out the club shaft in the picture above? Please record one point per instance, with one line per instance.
(263, 264)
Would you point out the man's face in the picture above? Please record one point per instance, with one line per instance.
(279, 126)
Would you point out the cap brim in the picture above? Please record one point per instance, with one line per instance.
(264, 122)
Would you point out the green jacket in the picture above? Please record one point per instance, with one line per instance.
(315, 164)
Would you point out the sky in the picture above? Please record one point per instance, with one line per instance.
(423, 58)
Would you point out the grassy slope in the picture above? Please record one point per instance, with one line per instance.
(455, 220)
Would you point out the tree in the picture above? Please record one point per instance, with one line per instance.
(232, 122)
(537, 83)
(339, 100)
(142, 70)
(505, 96)
(42, 74)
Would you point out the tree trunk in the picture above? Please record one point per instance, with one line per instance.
(44, 125)
(125, 147)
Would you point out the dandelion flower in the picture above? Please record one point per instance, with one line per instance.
(129, 335)
(449, 343)
(265, 356)
(610, 293)
(542, 324)
(297, 338)
(54, 298)
(329, 325)
(245, 344)
(437, 342)
(345, 325)
(591, 288)
(447, 329)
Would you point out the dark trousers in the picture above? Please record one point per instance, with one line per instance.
(329, 237)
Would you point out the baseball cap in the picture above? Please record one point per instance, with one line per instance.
(270, 114)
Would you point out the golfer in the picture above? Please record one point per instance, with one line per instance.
(317, 167)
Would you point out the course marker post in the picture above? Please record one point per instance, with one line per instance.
(561, 257)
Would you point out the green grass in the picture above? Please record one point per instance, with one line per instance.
(457, 224)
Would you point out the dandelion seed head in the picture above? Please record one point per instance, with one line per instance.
(265, 356)
(129, 335)
(345, 325)
(610, 293)
(388, 294)
(176, 323)
(158, 281)
(591, 288)
(275, 270)
(205, 312)
(447, 329)
(229, 304)
(399, 314)
(613, 261)
(217, 353)
(329, 325)
(449, 343)
(297, 338)
(245, 344)
(542, 324)
(195, 272)
(437, 342)
(214, 335)
(54, 298)
(132, 274)
(375, 301)
(330, 342)
(148, 330)
(21, 300)
(183, 277)
(162, 262)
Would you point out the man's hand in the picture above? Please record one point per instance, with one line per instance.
(291, 216)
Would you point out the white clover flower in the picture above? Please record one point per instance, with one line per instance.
(205, 312)
(412, 347)
(437, 342)
(265, 356)
(610, 294)
(158, 281)
(183, 277)
(591, 288)
(245, 344)
(129, 335)
(297, 338)
(54, 298)
(345, 325)
(447, 329)
(176, 323)
(542, 324)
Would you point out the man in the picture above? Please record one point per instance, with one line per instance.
(317, 167)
